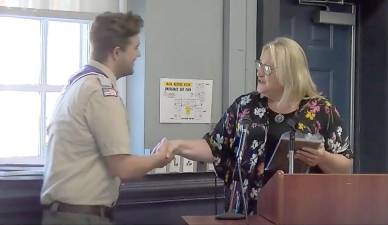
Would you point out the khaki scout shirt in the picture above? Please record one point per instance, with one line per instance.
(86, 126)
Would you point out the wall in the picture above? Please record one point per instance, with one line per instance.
(239, 70)
(183, 40)
(197, 39)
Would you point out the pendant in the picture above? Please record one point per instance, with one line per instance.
(279, 118)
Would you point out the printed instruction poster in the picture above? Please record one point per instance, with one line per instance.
(185, 100)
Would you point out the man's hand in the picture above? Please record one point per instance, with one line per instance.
(164, 152)
(311, 156)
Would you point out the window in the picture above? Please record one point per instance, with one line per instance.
(38, 54)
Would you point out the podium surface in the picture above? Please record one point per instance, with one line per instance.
(202, 220)
(325, 199)
(317, 199)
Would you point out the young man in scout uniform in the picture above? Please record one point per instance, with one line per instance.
(88, 153)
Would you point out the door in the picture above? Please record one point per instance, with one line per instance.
(328, 48)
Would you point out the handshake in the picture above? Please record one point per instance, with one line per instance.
(165, 152)
(193, 149)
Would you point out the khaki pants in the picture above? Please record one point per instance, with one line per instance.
(66, 218)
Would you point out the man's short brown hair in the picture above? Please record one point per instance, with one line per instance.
(110, 30)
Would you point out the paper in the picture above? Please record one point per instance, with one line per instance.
(188, 165)
(175, 165)
(185, 100)
(210, 167)
(160, 170)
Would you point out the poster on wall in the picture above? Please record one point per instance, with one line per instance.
(185, 100)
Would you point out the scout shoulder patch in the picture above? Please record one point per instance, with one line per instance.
(109, 91)
(104, 81)
(107, 86)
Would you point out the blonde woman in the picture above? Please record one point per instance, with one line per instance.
(285, 91)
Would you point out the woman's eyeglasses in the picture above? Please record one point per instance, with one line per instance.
(266, 68)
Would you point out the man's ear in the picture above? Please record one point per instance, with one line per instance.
(116, 52)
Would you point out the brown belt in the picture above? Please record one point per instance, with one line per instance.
(97, 210)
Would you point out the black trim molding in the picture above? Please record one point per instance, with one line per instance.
(168, 196)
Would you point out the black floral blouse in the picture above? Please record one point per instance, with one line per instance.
(315, 115)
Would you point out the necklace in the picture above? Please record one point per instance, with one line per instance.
(279, 118)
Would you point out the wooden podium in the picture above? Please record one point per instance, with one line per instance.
(317, 199)
(325, 199)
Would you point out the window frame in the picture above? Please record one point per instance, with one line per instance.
(44, 16)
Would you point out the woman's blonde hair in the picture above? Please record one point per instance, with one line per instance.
(292, 69)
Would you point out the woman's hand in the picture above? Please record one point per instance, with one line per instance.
(312, 156)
